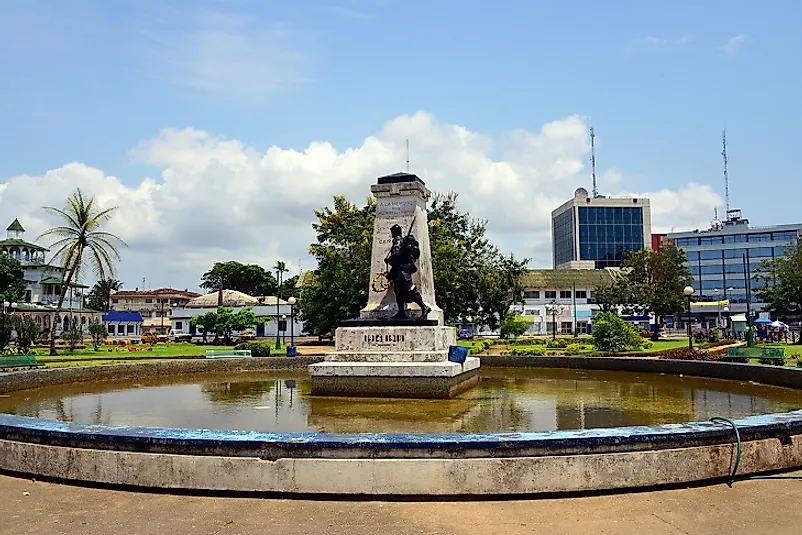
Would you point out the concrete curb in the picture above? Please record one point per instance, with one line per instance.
(382, 464)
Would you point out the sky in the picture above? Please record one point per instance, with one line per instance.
(218, 126)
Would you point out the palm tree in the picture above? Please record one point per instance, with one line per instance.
(80, 234)
(100, 295)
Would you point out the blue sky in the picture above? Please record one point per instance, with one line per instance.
(87, 81)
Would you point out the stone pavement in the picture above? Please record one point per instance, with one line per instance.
(750, 507)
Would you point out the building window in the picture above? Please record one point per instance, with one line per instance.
(179, 325)
(564, 243)
(566, 327)
(734, 253)
(551, 294)
(735, 238)
(710, 255)
(606, 233)
(120, 329)
(111, 329)
(711, 240)
(764, 236)
(565, 294)
(581, 294)
(582, 326)
(115, 301)
(532, 294)
(130, 329)
(148, 301)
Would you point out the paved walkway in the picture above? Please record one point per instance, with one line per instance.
(750, 507)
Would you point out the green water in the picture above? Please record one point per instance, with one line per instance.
(505, 400)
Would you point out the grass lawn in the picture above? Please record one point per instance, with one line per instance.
(158, 351)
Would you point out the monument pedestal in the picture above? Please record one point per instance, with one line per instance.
(381, 359)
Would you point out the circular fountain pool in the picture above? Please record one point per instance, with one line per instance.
(533, 425)
(506, 400)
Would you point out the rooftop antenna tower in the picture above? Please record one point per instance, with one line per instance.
(407, 155)
(726, 177)
(593, 161)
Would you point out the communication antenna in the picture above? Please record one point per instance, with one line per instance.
(726, 177)
(407, 155)
(593, 161)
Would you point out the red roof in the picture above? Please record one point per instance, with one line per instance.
(159, 291)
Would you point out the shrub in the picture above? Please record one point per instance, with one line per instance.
(512, 326)
(73, 336)
(257, 349)
(685, 353)
(573, 349)
(98, 332)
(27, 331)
(611, 333)
(647, 344)
(528, 351)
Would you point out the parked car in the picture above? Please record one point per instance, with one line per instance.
(465, 334)
(179, 337)
(325, 336)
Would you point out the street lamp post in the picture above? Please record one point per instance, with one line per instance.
(7, 307)
(727, 322)
(688, 291)
(553, 309)
(292, 302)
(278, 310)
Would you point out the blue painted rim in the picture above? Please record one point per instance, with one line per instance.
(92, 436)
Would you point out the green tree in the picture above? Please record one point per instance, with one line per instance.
(512, 326)
(12, 279)
(250, 279)
(611, 333)
(652, 283)
(98, 333)
(73, 336)
(227, 321)
(780, 283)
(80, 240)
(339, 287)
(27, 332)
(471, 277)
(99, 297)
(205, 323)
(288, 288)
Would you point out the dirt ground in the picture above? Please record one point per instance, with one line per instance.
(750, 507)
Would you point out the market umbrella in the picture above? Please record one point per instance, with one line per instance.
(762, 321)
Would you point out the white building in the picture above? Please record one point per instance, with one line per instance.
(561, 299)
(595, 232)
(123, 325)
(155, 306)
(277, 316)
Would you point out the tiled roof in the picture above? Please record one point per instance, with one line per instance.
(12, 242)
(16, 226)
(565, 278)
(160, 291)
(56, 280)
(131, 317)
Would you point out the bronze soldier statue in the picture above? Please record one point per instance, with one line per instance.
(403, 254)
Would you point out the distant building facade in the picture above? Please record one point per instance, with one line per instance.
(123, 325)
(561, 299)
(151, 303)
(595, 232)
(722, 257)
(43, 285)
(276, 318)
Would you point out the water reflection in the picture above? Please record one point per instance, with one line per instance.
(505, 400)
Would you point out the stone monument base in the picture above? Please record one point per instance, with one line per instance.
(382, 359)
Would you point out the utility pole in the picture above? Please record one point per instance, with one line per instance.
(593, 161)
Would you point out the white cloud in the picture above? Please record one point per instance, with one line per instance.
(216, 52)
(662, 41)
(220, 199)
(734, 44)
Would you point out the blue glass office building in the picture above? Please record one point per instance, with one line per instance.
(594, 233)
(721, 257)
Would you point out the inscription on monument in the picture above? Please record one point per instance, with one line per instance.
(381, 339)
(388, 213)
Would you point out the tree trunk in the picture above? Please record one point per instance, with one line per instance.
(65, 283)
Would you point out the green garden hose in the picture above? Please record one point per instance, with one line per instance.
(734, 475)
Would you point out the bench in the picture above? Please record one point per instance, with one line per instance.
(21, 361)
(227, 353)
(765, 355)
